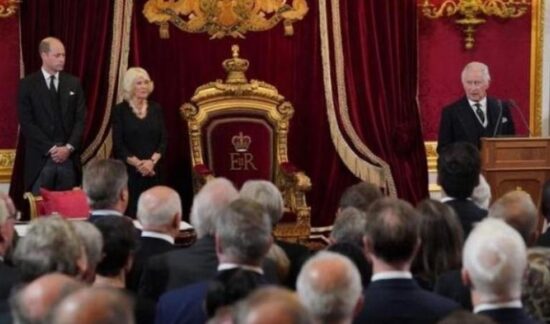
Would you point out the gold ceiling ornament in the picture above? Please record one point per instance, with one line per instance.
(8, 8)
(220, 18)
(471, 12)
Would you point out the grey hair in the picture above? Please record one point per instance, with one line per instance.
(349, 226)
(244, 231)
(476, 66)
(103, 181)
(158, 211)
(91, 239)
(518, 210)
(266, 194)
(214, 196)
(495, 257)
(50, 245)
(329, 295)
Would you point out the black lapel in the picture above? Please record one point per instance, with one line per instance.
(492, 114)
(471, 126)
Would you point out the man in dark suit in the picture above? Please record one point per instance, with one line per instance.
(159, 212)
(494, 260)
(475, 115)
(391, 243)
(243, 238)
(51, 108)
(105, 183)
(199, 261)
(458, 168)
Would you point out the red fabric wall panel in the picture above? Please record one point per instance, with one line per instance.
(9, 72)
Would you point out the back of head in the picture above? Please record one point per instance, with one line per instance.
(360, 196)
(458, 168)
(441, 238)
(271, 305)
(207, 204)
(119, 241)
(357, 256)
(266, 194)
(50, 245)
(243, 232)
(518, 210)
(349, 226)
(35, 302)
(103, 181)
(157, 207)
(495, 258)
(392, 230)
(91, 239)
(329, 286)
(95, 305)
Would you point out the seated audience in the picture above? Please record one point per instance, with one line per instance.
(271, 305)
(360, 196)
(35, 302)
(95, 305)
(349, 226)
(458, 169)
(536, 284)
(494, 260)
(329, 286)
(517, 209)
(159, 212)
(268, 195)
(391, 243)
(544, 238)
(198, 262)
(243, 237)
(8, 275)
(91, 239)
(50, 245)
(119, 242)
(105, 183)
(356, 255)
(441, 243)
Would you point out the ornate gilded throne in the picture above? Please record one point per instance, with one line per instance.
(238, 130)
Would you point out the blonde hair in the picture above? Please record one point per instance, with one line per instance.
(128, 83)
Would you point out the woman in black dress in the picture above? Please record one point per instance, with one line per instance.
(139, 135)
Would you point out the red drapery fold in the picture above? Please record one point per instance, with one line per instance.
(85, 28)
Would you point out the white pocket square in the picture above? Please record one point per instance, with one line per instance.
(504, 120)
(71, 93)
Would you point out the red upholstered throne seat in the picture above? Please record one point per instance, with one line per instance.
(238, 130)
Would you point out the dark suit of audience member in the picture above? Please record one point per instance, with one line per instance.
(544, 238)
(51, 110)
(450, 285)
(458, 168)
(9, 277)
(474, 115)
(243, 238)
(391, 242)
(509, 316)
(147, 247)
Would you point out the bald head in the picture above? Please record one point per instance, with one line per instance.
(159, 209)
(95, 305)
(52, 53)
(36, 301)
(271, 305)
(329, 286)
(518, 210)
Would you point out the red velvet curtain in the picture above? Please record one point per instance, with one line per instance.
(380, 56)
(85, 28)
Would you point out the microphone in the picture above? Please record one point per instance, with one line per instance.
(524, 122)
(499, 119)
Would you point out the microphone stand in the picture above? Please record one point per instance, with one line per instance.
(513, 104)
(499, 119)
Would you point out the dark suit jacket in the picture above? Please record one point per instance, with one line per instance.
(298, 255)
(9, 277)
(468, 213)
(36, 117)
(147, 247)
(450, 285)
(182, 267)
(544, 239)
(459, 123)
(509, 316)
(402, 301)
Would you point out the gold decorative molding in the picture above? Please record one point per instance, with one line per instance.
(220, 18)
(471, 13)
(431, 155)
(7, 160)
(536, 68)
(8, 8)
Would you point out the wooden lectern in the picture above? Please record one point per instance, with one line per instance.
(516, 163)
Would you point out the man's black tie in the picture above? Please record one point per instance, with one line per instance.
(53, 91)
(479, 112)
